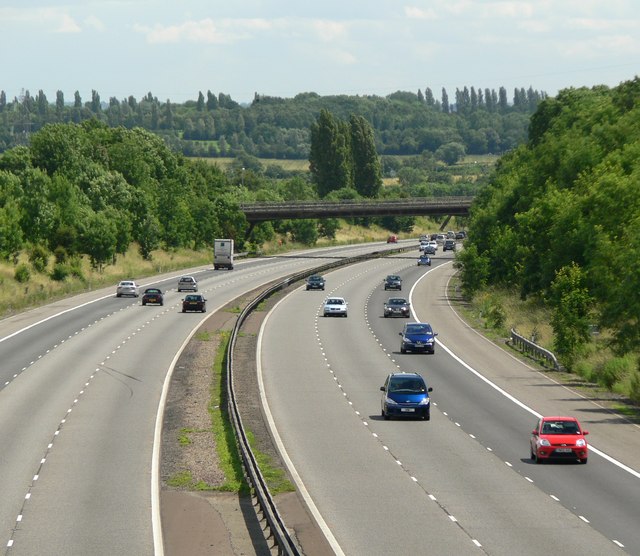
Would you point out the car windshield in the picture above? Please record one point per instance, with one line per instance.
(192, 298)
(393, 278)
(315, 278)
(414, 385)
(418, 329)
(560, 427)
(397, 301)
(152, 290)
(335, 301)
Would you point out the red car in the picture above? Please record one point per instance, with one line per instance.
(392, 239)
(559, 438)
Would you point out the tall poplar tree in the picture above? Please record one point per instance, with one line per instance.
(330, 158)
(367, 173)
(445, 101)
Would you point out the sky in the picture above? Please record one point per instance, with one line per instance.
(176, 48)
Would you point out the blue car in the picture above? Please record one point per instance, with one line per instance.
(418, 336)
(405, 395)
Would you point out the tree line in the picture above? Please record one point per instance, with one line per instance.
(404, 123)
(559, 221)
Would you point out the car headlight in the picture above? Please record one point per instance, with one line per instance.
(424, 401)
(544, 442)
(581, 442)
(389, 401)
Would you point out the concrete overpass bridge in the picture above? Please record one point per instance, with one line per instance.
(414, 206)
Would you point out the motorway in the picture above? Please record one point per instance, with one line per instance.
(81, 382)
(461, 483)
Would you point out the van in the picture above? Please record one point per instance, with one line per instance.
(449, 245)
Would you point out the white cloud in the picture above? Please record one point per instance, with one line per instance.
(94, 22)
(55, 19)
(329, 30)
(602, 46)
(601, 24)
(535, 26)
(205, 31)
(342, 57)
(66, 24)
(413, 12)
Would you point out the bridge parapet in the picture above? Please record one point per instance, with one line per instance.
(349, 208)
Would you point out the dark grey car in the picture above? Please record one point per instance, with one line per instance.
(397, 307)
(315, 282)
(393, 282)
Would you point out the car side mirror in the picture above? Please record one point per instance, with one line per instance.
(382, 388)
(534, 433)
(435, 333)
(430, 389)
(585, 433)
(399, 333)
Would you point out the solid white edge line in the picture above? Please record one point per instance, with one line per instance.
(283, 452)
(156, 519)
(516, 401)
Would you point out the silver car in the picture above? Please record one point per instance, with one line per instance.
(127, 287)
(187, 283)
(335, 306)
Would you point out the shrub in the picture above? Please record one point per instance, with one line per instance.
(634, 387)
(60, 254)
(60, 272)
(39, 258)
(22, 273)
(613, 371)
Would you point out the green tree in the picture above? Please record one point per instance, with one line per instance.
(330, 157)
(11, 239)
(367, 174)
(474, 270)
(99, 240)
(572, 305)
(451, 153)
(304, 231)
(148, 236)
(445, 101)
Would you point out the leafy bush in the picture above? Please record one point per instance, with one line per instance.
(39, 258)
(634, 389)
(60, 253)
(60, 272)
(614, 370)
(492, 312)
(22, 273)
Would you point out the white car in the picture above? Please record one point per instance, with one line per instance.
(127, 287)
(335, 306)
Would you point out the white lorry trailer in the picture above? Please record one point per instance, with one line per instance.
(223, 253)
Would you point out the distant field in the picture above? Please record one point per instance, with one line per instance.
(303, 165)
(289, 165)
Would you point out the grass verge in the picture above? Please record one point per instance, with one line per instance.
(597, 372)
(225, 440)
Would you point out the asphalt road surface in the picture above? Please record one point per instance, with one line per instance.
(81, 384)
(462, 483)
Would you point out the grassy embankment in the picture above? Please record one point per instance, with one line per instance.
(596, 373)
